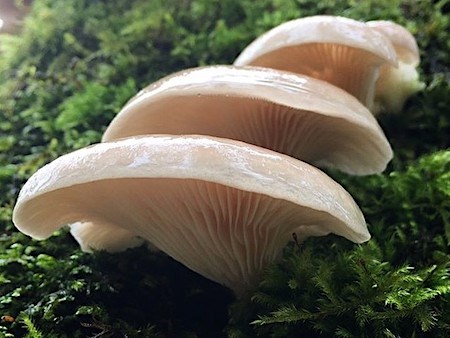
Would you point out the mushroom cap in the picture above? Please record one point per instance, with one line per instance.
(342, 51)
(396, 84)
(104, 236)
(402, 40)
(297, 115)
(223, 208)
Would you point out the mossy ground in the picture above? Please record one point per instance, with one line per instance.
(78, 61)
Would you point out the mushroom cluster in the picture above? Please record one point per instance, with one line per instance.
(216, 166)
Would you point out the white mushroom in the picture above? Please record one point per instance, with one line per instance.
(342, 51)
(303, 117)
(396, 84)
(223, 208)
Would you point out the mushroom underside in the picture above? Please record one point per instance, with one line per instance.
(350, 145)
(225, 234)
(349, 68)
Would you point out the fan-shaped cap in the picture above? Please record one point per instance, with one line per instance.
(342, 51)
(402, 40)
(223, 208)
(297, 115)
(396, 84)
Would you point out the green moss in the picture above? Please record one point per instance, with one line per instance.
(398, 283)
(73, 67)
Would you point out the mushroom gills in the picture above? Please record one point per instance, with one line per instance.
(354, 70)
(223, 233)
(341, 51)
(223, 208)
(299, 116)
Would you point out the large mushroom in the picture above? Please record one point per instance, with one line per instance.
(342, 51)
(396, 84)
(303, 117)
(223, 208)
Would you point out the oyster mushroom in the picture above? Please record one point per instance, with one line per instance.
(297, 115)
(396, 84)
(223, 208)
(341, 51)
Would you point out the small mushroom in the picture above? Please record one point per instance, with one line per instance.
(341, 51)
(223, 208)
(396, 84)
(300, 116)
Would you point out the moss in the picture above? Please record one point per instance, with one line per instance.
(398, 284)
(72, 68)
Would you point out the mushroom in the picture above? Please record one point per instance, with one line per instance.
(341, 51)
(396, 84)
(223, 208)
(297, 115)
